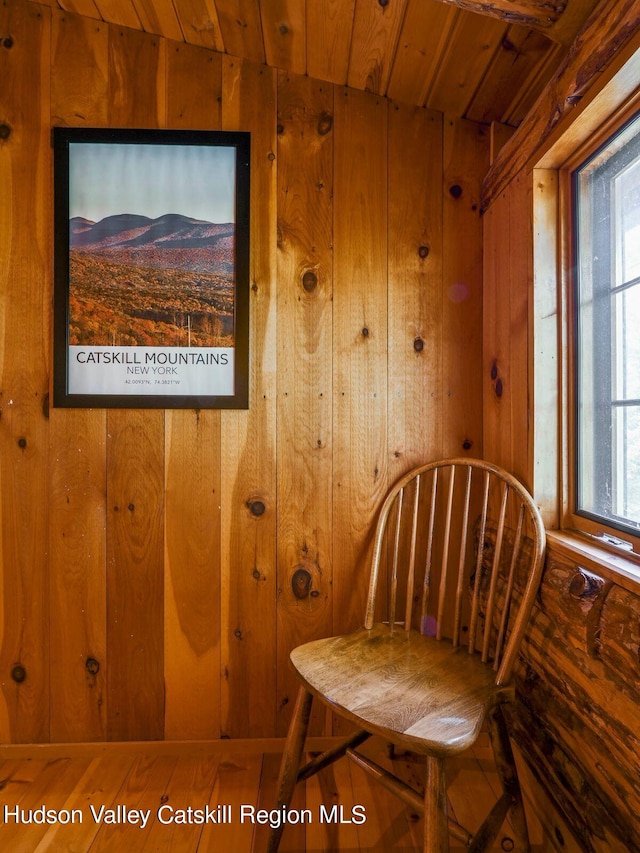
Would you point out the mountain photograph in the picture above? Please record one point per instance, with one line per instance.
(141, 281)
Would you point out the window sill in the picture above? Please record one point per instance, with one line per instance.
(619, 568)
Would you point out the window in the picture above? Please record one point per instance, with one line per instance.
(606, 196)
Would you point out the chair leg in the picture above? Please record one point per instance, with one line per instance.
(291, 760)
(436, 824)
(506, 766)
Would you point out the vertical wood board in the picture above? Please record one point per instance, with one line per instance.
(466, 157)
(249, 437)
(304, 427)
(25, 273)
(360, 333)
(78, 451)
(135, 466)
(415, 287)
(192, 481)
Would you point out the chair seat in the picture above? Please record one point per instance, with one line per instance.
(413, 690)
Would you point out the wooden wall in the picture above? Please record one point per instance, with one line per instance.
(147, 557)
(577, 722)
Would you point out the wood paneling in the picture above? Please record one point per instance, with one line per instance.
(249, 441)
(77, 443)
(360, 294)
(25, 278)
(192, 443)
(462, 286)
(304, 415)
(576, 721)
(402, 49)
(416, 297)
(149, 558)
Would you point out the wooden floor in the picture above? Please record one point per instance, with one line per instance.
(95, 798)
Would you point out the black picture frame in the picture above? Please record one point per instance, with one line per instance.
(151, 268)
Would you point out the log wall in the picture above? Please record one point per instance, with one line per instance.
(577, 723)
(147, 557)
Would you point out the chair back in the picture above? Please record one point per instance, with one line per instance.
(458, 555)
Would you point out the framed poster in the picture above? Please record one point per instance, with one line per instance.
(151, 268)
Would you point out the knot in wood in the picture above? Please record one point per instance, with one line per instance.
(456, 190)
(423, 251)
(301, 583)
(467, 444)
(19, 673)
(418, 344)
(584, 584)
(325, 123)
(256, 508)
(5, 131)
(310, 281)
(7, 42)
(92, 666)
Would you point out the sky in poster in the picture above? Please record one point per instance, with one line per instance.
(108, 179)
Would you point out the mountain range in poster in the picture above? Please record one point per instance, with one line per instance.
(138, 281)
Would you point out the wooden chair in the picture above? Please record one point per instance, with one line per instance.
(457, 561)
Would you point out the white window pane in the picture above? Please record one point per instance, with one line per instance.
(627, 349)
(627, 451)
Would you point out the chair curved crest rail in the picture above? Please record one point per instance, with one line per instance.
(457, 561)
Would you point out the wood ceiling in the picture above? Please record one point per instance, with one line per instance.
(486, 60)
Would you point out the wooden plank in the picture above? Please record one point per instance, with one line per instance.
(120, 12)
(135, 468)
(25, 276)
(415, 287)
(425, 32)
(187, 793)
(360, 343)
(284, 31)
(192, 575)
(79, 73)
(144, 788)
(40, 786)
(248, 437)
(135, 679)
(520, 325)
(610, 36)
(79, 7)
(199, 23)
(192, 505)
(514, 67)
(194, 87)
(237, 783)
(471, 47)
(522, 101)
(466, 155)
(98, 786)
(304, 304)
(158, 17)
(376, 29)
(496, 349)
(241, 29)
(78, 446)
(329, 28)
(78, 577)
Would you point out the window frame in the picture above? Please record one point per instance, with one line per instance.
(600, 200)
(610, 536)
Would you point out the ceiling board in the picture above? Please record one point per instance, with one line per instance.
(285, 37)
(421, 52)
(329, 28)
(199, 23)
